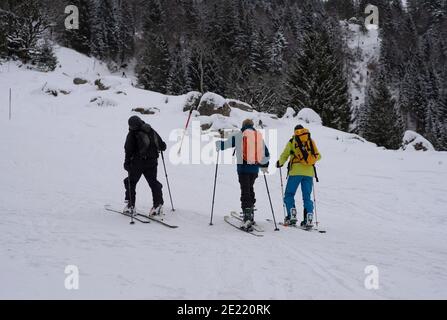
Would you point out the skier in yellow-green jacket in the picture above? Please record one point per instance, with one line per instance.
(302, 153)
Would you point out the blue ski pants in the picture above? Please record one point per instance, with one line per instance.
(306, 188)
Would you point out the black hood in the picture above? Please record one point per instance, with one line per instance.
(135, 123)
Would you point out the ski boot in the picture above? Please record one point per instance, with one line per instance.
(304, 222)
(309, 221)
(129, 209)
(248, 222)
(286, 221)
(293, 219)
(156, 211)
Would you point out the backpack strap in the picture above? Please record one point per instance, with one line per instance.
(302, 147)
(312, 149)
(156, 140)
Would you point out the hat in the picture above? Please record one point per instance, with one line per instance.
(248, 123)
(299, 127)
(135, 123)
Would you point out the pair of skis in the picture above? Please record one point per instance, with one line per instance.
(305, 228)
(143, 218)
(235, 220)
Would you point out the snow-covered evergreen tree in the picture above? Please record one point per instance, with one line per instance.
(154, 65)
(381, 122)
(316, 80)
(3, 42)
(344, 9)
(277, 52)
(154, 20)
(100, 29)
(259, 55)
(177, 83)
(126, 32)
(44, 57)
(26, 24)
(412, 98)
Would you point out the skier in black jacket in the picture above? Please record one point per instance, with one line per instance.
(142, 148)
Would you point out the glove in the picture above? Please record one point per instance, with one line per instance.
(265, 170)
(278, 165)
(127, 166)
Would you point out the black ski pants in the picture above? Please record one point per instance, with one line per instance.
(247, 182)
(149, 170)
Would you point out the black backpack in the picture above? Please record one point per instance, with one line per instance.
(147, 141)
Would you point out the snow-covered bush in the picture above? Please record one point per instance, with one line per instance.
(309, 116)
(44, 58)
(54, 89)
(102, 102)
(192, 100)
(413, 141)
(290, 113)
(100, 85)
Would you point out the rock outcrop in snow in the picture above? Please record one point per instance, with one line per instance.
(239, 105)
(212, 103)
(413, 141)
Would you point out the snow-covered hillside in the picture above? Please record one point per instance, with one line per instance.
(365, 48)
(61, 162)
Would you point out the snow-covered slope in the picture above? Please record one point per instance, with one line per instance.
(61, 162)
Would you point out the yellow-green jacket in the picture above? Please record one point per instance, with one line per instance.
(297, 169)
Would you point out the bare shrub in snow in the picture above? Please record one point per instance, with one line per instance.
(149, 111)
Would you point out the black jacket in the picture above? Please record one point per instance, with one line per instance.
(143, 144)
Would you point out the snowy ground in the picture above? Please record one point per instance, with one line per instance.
(61, 161)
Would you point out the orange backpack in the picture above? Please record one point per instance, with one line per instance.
(252, 147)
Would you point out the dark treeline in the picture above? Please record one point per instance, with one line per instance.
(272, 54)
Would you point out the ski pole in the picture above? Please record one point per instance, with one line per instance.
(315, 198)
(270, 199)
(184, 132)
(130, 199)
(167, 180)
(214, 189)
(282, 193)
(315, 205)
(215, 182)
